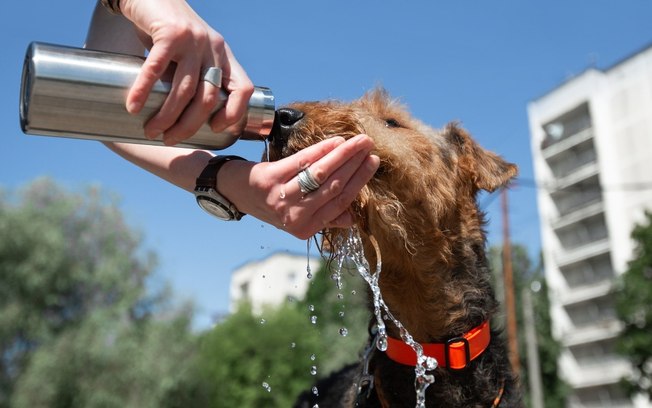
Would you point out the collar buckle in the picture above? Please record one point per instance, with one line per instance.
(454, 363)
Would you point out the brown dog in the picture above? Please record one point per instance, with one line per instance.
(421, 210)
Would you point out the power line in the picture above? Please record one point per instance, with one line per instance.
(633, 186)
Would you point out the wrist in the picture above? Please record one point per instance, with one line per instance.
(233, 180)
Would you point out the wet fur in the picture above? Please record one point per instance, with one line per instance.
(421, 208)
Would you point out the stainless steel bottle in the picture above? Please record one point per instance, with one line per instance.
(81, 93)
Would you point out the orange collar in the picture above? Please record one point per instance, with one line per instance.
(456, 353)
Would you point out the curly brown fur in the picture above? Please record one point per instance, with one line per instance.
(421, 208)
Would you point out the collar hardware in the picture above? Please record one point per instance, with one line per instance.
(466, 349)
(456, 353)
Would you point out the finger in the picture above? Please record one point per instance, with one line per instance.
(152, 70)
(183, 89)
(341, 199)
(344, 220)
(344, 159)
(288, 167)
(206, 100)
(240, 88)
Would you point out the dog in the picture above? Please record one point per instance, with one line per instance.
(419, 214)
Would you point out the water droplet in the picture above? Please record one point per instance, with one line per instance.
(313, 319)
(340, 296)
(315, 391)
(382, 343)
(267, 387)
(262, 321)
(282, 194)
(311, 308)
(431, 363)
(313, 357)
(313, 370)
(293, 345)
(266, 148)
(353, 292)
(341, 314)
(344, 331)
(315, 406)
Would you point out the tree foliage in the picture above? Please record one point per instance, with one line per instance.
(286, 348)
(78, 327)
(633, 302)
(525, 274)
(259, 361)
(342, 315)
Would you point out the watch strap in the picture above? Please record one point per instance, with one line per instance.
(208, 176)
(208, 179)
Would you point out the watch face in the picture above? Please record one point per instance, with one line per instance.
(214, 207)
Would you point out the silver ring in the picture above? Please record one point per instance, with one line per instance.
(214, 76)
(307, 183)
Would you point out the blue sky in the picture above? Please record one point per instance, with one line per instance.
(478, 62)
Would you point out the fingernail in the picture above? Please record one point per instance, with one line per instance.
(373, 162)
(134, 107)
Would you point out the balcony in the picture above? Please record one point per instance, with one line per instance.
(598, 331)
(597, 248)
(607, 373)
(553, 151)
(581, 174)
(588, 273)
(585, 293)
(580, 213)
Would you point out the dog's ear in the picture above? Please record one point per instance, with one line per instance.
(487, 170)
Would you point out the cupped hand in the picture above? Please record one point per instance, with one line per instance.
(342, 168)
(176, 34)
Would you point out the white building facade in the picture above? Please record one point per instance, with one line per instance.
(592, 150)
(271, 281)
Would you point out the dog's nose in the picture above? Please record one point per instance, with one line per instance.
(288, 116)
(284, 119)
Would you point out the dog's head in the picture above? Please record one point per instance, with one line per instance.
(427, 180)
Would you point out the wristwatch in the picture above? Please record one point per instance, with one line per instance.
(207, 195)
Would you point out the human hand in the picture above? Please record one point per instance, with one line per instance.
(341, 167)
(176, 34)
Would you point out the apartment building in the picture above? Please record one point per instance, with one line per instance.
(591, 141)
(271, 281)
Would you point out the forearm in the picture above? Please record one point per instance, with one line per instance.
(114, 33)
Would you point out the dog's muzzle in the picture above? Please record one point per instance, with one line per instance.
(284, 120)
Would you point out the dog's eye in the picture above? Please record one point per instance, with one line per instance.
(392, 123)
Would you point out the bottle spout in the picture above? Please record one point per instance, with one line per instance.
(260, 115)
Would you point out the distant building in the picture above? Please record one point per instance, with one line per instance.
(271, 281)
(592, 150)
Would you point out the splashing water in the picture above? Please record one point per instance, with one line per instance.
(267, 387)
(350, 248)
(308, 270)
(267, 149)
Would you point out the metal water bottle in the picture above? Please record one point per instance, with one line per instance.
(81, 93)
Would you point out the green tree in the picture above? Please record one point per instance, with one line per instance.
(77, 327)
(341, 314)
(260, 361)
(525, 274)
(633, 302)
